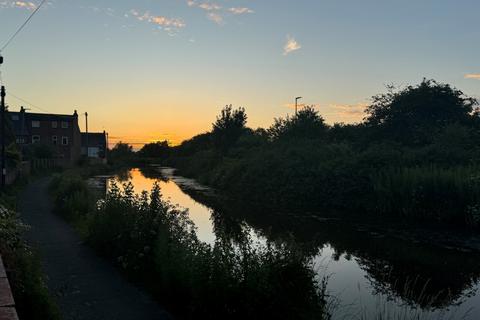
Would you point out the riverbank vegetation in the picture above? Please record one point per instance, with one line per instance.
(32, 298)
(414, 156)
(156, 245)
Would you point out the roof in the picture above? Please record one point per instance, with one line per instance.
(21, 126)
(95, 139)
(45, 116)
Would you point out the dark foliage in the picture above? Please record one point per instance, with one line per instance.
(121, 154)
(416, 114)
(31, 295)
(160, 149)
(155, 244)
(228, 127)
(302, 164)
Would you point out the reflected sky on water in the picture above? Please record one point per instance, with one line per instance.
(365, 274)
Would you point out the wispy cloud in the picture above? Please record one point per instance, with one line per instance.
(350, 109)
(215, 17)
(291, 45)
(209, 6)
(240, 10)
(158, 20)
(475, 76)
(18, 4)
(215, 12)
(347, 113)
(335, 113)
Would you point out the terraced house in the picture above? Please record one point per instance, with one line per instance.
(59, 132)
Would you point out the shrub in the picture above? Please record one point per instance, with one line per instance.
(156, 244)
(72, 196)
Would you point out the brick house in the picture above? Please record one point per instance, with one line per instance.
(60, 133)
(94, 145)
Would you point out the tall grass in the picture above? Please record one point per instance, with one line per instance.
(430, 193)
(73, 199)
(155, 244)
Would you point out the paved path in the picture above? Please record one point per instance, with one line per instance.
(85, 286)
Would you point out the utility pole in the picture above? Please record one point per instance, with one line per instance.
(106, 145)
(296, 104)
(2, 94)
(86, 132)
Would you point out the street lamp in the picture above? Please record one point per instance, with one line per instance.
(296, 104)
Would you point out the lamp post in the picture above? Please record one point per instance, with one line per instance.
(296, 104)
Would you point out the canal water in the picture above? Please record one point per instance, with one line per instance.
(368, 273)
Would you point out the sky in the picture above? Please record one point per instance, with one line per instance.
(149, 70)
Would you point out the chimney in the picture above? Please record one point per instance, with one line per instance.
(75, 114)
(22, 119)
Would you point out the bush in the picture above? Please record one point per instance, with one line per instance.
(155, 243)
(73, 199)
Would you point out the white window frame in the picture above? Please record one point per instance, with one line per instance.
(55, 140)
(64, 124)
(20, 140)
(64, 141)
(35, 138)
(35, 124)
(54, 124)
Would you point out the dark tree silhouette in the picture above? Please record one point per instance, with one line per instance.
(159, 149)
(121, 152)
(307, 123)
(229, 126)
(415, 114)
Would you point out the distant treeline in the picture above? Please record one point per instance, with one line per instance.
(414, 155)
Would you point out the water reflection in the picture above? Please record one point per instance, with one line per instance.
(144, 179)
(367, 269)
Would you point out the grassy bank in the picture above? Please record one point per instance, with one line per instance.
(23, 266)
(155, 244)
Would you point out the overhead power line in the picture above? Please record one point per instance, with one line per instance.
(22, 26)
(27, 102)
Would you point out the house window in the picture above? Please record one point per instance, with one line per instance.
(54, 140)
(93, 152)
(35, 139)
(20, 140)
(64, 124)
(35, 124)
(54, 124)
(65, 141)
(15, 117)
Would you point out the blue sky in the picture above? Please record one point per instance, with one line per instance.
(154, 69)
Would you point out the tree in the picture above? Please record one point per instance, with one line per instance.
(121, 152)
(159, 149)
(416, 114)
(191, 146)
(307, 123)
(228, 127)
